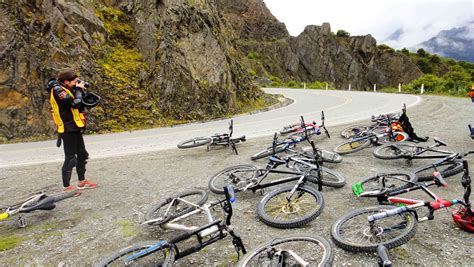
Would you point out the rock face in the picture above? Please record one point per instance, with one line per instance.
(151, 61)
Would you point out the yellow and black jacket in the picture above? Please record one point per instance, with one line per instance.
(67, 109)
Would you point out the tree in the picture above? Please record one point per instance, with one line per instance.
(421, 52)
(342, 33)
(405, 52)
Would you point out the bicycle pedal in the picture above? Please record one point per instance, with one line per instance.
(21, 222)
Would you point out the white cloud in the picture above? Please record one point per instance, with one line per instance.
(419, 19)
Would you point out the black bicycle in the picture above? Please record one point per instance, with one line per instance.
(38, 201)
(166, 252)
(224, 139)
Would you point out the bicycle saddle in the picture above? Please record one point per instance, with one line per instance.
(46, 203)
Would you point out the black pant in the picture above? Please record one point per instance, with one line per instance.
(75, 155)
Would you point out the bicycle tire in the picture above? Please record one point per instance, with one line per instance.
(330, 177)
(367, 242)
(164, 257)
(352, 146)
(263, 209)
(198, 197)
(374, 184)
(306, 246)
(447, 169)
(352, 131)
(395, 150)
(195, 142)
(269, 151)
(246, 171)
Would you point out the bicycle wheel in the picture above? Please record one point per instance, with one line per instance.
(352, 231)
(238, 176)
(383, 184)
(353, 131)
(352, 146)
(396, 150)
(163, 256)
(269, 151)
(313, 249)
(194, 142)
(305, 205)
(329, 177)
(447, 169)
(176, 206)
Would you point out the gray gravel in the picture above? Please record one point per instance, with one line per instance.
(83, 230)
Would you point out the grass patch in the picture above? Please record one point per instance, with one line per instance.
(10, 242)
(128, 228)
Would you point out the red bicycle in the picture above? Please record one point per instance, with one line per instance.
(362, 230)
(311, 128)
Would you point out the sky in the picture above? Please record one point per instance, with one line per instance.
(415, 20)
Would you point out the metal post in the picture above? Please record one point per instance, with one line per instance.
(375, 87)
(304, 85)
(326, 86)
(349, 87)
(422, 88)
(399, 87)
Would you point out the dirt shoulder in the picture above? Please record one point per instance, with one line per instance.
(85, 229)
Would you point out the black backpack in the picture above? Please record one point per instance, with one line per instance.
(405, 123)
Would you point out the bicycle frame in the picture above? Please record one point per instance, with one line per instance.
(417, 155)
(214, 226)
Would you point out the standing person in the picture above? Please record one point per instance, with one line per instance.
(68, 114)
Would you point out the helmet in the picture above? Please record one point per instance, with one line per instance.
(463, 220)
(90, 100)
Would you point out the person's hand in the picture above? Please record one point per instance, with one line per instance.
(81, 84)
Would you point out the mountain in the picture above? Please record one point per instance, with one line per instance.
(155, 62)
(456, 43)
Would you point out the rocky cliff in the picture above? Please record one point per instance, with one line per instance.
(157, 61)
(151, 61)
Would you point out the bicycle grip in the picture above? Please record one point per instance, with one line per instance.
(387, 213)
(4, 216)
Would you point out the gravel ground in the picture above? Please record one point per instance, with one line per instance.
(85, 229)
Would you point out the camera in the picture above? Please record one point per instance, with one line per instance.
(86, 84)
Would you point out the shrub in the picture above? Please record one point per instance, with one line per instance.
(421, 52)
(342, 33)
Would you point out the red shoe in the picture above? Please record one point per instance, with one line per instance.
(86, 184)
(72, 188)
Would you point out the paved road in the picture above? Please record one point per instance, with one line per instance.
(339, 107)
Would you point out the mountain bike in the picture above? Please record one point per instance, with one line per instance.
(291, 250)
(166, 252)
(290, 142)
(384, 185)
(362, 230)
(380, 123)
(410, 151)
(298, 129)
(38, 201)
(358, 143)
(288, 206)
(224, 139)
